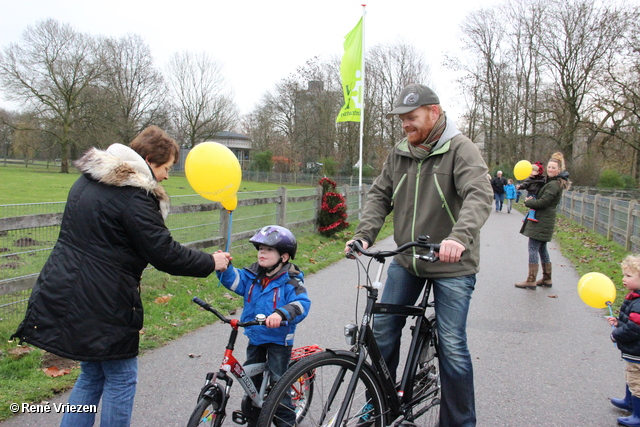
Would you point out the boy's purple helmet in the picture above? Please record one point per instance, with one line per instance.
(277, 237)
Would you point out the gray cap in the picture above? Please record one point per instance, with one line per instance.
(412, 97)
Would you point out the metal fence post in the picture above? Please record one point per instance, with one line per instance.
(281, 208)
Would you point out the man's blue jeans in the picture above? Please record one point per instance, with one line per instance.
(115, 382)
(452, 298)
(499, 198)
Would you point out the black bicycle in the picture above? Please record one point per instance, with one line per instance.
(355, 387)
(211, 407)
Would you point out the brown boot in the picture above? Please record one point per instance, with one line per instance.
(546, 275)
(531, 279)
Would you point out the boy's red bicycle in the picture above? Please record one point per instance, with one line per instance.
(214, 395)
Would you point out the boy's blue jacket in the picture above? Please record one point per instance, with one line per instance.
(284, 294)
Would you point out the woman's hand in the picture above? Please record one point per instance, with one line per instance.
(612, 321)
(222, 260)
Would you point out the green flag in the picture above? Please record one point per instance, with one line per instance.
(351, 73)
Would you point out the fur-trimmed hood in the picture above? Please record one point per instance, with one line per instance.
(120, 166)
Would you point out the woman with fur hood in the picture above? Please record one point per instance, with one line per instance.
(541, 231)
(86, 302)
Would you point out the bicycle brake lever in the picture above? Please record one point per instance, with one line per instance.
(431, 257)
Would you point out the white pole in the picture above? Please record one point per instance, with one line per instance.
(360, 162)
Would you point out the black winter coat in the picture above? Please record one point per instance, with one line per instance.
(627, 334)
(86, 302)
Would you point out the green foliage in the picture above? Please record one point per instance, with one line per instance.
(367, 171)
(262, 161)
(507, 170)
(629, 182)
(329, 166)
(610, 179)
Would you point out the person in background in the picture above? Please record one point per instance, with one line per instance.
(86, 302)
(498, 183)
(532, 185)
(540, 232)
(510, 194)
(435, 182)
(626, 335)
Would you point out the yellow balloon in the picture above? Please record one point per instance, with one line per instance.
(231, 203)
(596, 290)
(213, 171)
(522, 169)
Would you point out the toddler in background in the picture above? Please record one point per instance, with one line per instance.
(533, 184)
(510, 191)
(626, 334)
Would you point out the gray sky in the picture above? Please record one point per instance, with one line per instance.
(260, 42)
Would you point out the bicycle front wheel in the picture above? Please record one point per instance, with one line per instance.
(205, 413)
(329, 374)
(425, 409)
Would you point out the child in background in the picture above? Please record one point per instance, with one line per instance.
(626, 335)
(510, 191)
(533, 184)
(273, 287)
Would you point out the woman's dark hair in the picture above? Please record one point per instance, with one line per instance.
(155, 146)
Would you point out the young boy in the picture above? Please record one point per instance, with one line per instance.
(625, 335)
(510, 193)
(533, 184)
(274, 287)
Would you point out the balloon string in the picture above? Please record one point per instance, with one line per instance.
(611, 314)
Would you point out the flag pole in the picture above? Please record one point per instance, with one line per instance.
(360, 162)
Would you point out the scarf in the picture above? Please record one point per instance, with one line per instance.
(421, 151)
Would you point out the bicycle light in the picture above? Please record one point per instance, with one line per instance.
(350, 334)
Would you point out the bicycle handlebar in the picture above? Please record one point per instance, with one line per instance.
(421, 242)
(208, 307)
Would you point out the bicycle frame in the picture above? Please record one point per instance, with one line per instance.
(243, 374)
(398, 398)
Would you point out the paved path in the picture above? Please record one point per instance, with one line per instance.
(541, 358)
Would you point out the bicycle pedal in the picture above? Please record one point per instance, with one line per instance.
(239, 418)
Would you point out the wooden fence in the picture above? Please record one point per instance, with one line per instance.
(283, 207)
(615, 218)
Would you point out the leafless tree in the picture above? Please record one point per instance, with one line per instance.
(202, 102)
(49, 72)
(134, 87)
(579, 39)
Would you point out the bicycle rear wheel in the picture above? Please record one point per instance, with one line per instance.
(426, 387)
(205, 413)
(330, 374)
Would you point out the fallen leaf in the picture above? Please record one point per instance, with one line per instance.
(553, 296)
(163, 299)
(20, 351)
(227, 296)
(194, 356)
(55, 372)
(232, 311)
